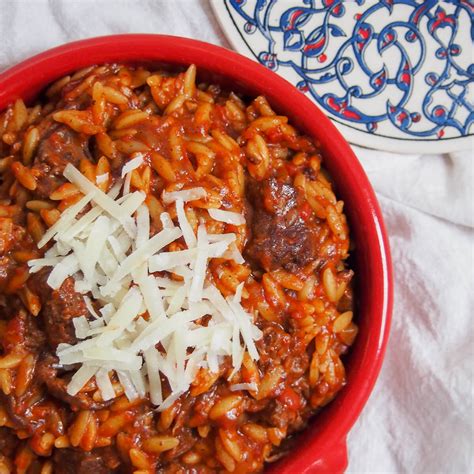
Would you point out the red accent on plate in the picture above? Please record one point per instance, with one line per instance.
(331, 101)
(294, 17)
(321, 448)
(364, 33)
(402, 116)
(406, 78)
(316, 45)
(351, 114)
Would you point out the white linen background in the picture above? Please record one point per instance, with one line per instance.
(419, 417)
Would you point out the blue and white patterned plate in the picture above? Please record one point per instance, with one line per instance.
(396, 75)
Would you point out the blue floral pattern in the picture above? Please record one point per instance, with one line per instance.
(396, 68)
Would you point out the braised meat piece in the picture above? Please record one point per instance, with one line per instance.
(279, 235)
(55, 151)
(61, 307)
(8, 442)
(22, 332)
(47, 372)
(77, 461)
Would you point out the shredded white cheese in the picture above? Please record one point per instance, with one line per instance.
(195, 292)
(228, 217)
(252, 386)
(101, 178)
(105, 385)
(67, 218)
(133, 164)
(192, 194)
(81, 327)
(188, 233)
(111, 254)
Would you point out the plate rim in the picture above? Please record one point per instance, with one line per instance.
(356, 137)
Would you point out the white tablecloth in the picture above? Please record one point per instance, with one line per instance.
(419, 418)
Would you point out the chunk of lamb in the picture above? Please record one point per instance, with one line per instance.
(47, 372)
(23, 334)
(55, 151)
(279, 237)
(8, 442)
(77, 461)
(60, 307)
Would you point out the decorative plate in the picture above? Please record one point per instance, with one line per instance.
(396, 75)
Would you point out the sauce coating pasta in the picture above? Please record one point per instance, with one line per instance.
(295, 241)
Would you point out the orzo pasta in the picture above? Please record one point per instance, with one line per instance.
(173, 283)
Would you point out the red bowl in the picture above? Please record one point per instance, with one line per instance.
(322, 446)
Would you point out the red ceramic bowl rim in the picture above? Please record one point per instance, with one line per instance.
(322, 447)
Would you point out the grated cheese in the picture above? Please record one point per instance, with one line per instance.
(81, 327)
(133, 164)
(151, 359)
(104, 384)
(67, 267)
(139, 382)
(101, 178)
(127, 182)
(66, 218)
(252, 386)
(95, 243)
(233, 253)
(103, 241)
(142, 254)
(127, 384)
(166, 221)
(184, 224)
(38, 263)
(228, 217)
(80, 378)
(100, 198)
(169, 260)
(185, 195)
(195, 292)
(143, 225)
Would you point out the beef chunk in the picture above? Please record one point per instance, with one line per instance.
(48, 374)
(22, 332)
(76, 461)
(60, 308)
(55, 151)
(8, 442)
(279, 235)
